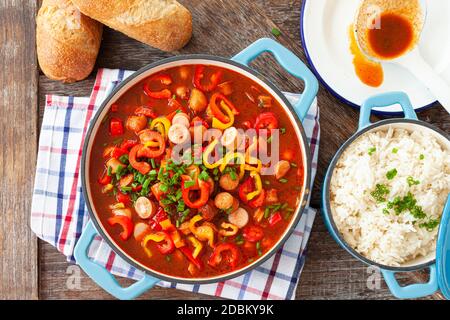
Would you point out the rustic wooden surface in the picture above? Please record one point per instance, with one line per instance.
(220, 28)
(18, 134)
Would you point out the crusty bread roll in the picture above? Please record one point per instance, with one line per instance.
(163, 24)
(67, 41)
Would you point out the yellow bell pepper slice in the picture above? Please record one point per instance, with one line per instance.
(207, 152)
(177, 241)
(166, 224)
(249, 167)
(162, 125)
(258, 184)
(234, 155)
(198, 246)
(202, 233)
(216, 123)
(228, 229)
(157, 237)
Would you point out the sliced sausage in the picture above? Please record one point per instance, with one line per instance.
(239, 218)
(144, 207)
(197, 101)
(114, 164)
(141, 229)
(281, 169)
(227, 183)
(181, 118)
(178, 134)
(224, 201)
(208, 211)
(136, 123)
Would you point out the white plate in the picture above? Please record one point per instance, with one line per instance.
(324, 28)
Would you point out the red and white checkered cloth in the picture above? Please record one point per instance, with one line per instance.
(59, 213)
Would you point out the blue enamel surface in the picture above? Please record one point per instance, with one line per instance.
(443, 252)
(414, 290)
(291, 63)
(103, 277)
(385, 100)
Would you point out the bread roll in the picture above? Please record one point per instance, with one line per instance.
(67, 41)
(163, 24)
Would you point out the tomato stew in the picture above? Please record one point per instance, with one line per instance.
(188, 218)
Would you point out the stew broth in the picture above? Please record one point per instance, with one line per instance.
(170, 222)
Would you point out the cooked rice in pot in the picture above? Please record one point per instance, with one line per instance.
(387, 194)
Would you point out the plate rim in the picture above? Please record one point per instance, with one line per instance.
(330, 88)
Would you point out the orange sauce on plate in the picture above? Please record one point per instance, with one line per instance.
(369, 72)
(393, 38)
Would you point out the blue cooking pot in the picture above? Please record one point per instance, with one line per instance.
(409, 122)
(238, 63)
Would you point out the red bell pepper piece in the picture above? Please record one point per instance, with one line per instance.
(214, 79)
(275, 218)
(163, 94)
(146, 111)
(151, 152)
(142, 167)
(195, 261)
(245, 188)
(104, 179)
(201, 185)
(216, 110)
(217, 256)
(114, 107)
(116, 127)
(159, 216)
(253, 233)
(258, 201)
(164, 78)
(128, 144)
(124, 198)
(166, 246)
(266, 120)
(126, 224)
(117, 152)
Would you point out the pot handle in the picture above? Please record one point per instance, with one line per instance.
(291, 63)
(414, 290)
(385, 100)
(101, 275)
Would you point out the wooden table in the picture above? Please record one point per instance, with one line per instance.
(30, 268)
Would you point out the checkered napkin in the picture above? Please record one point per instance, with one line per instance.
(59, 213)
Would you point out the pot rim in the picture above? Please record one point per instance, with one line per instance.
(302, 139)
(326, 207)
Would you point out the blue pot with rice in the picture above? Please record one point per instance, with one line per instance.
(385, 193)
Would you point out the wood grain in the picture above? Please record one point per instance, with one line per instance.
(18, 133)
(224, 28)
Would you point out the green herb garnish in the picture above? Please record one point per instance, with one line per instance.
(380, 193)
(431, 224)
(189, 183)
(412, 182)
(421, 157)
(276, 32)
(371, 151)
(391, 174)
(394, 150)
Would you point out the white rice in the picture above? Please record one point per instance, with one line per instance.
(390, 239)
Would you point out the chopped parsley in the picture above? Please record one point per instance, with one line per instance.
(394, 150)
(276, 32)
(371, 151)
(412, 182)
(189, 183)
(430, 225)
(380, 193)
(407, 203)
(421, 157)
(391, 174)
